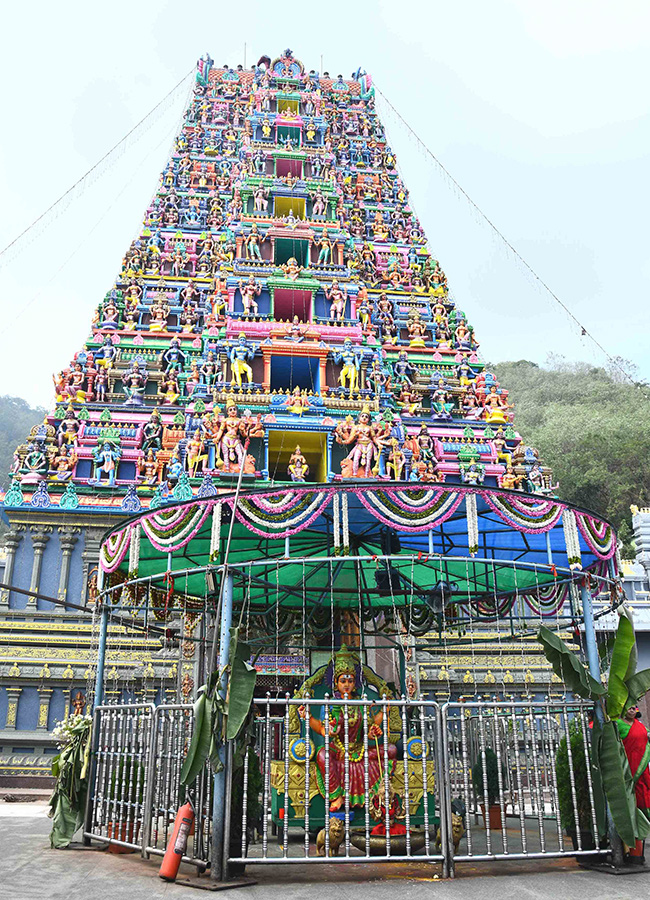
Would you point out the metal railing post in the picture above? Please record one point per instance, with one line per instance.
(443, 774)
(149, 785)
(92, 774)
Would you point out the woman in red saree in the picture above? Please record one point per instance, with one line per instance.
(637, 749)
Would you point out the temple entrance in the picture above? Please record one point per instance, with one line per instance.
(282, 445)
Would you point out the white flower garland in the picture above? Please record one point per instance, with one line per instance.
(336, 523)
(215, 534)
(346, 526)
(284, 524)
(134, 551)
(472, 523)
(571, 539)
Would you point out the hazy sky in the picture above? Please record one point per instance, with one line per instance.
(539, 110)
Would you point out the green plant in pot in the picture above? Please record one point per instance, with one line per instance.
(610, 771)
(581, 786)
(490, 785)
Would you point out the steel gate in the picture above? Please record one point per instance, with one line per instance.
(441, 766)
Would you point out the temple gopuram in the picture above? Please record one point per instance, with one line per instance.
(280, 311)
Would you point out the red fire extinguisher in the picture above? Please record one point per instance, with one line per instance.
(177, 842)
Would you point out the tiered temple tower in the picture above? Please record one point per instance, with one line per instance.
(279, 312)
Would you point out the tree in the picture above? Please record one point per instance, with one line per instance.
(591, 427)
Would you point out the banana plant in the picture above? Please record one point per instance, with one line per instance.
(220, 715)
(611, 773)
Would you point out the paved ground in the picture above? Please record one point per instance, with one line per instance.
(29, 870)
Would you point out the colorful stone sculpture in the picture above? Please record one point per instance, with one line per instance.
(280, 269)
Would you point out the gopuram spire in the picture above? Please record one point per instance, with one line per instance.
(280, 311)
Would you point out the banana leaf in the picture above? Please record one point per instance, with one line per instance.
(617, 782)
(201, 738)
(622, 655)
(617, 694)
(242, 685)
(67, 819)
(638, 685)
(642, 826)
(568, 667)
(634, 655)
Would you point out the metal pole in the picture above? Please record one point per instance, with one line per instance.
(219, 795)
(594, 670)
(590, 633)
(101, 658)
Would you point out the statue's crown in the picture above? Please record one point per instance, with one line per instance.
(344, 662)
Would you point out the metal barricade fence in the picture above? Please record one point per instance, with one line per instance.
(120, 773)
(375, 767)
(135, 784)
(371, 765)
(503, 789)
(173, 725)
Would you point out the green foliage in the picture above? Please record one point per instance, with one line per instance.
(201, 738)
(17, 418)
(609, 761)
(217, 718)
(629, 821)
(591, 427)
(638, 685)
(242, 685)
(568, 667)
(563, 772)
(70, 768)
(623, 661)
(492, 771)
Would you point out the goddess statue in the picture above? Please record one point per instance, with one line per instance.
(150, 468)
(338, 298)
(106, 457)
(63, 463)
(417, 330)
(250, 291)
(344, 677)
(135, 382)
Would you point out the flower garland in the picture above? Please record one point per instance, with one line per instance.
(571, 539)
(528, 515)
(416, 499)
(134, 551)
(336, 523)
(170, 529)
(290, 522)
(215, 533)
(547, 600)
(599, 536)
(472, 523)
(114, 550)
(278, 514)
(382, 505)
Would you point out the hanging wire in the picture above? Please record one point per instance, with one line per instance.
(528, 269)
(80, 184)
